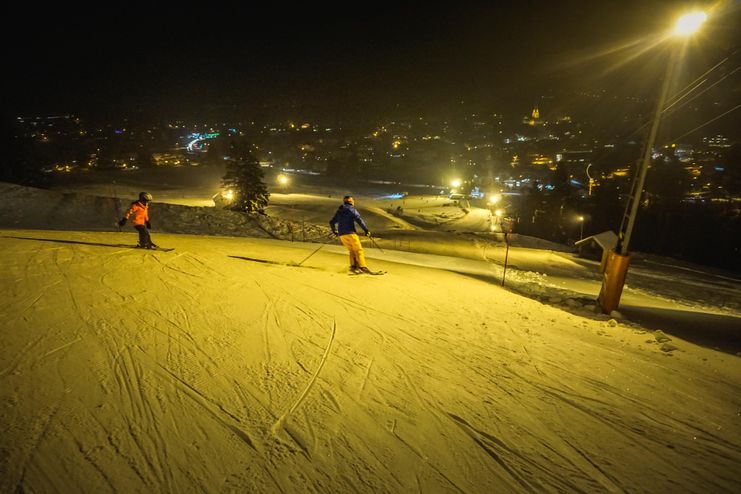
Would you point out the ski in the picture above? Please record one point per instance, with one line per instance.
(160, 249)
(371, 273)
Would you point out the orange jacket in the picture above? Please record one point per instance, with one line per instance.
(139, 211)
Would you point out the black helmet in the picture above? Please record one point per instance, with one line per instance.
(145, 196)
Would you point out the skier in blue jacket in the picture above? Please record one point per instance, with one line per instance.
(343, 225)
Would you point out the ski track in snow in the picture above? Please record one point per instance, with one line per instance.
(191, 371)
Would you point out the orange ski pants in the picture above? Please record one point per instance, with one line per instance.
(352, 242)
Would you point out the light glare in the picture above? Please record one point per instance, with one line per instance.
(688, 24)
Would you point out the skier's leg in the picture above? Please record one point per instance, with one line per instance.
(144, 239)
(360, 256)
(346, 242)
(143, 235)
(353, 244)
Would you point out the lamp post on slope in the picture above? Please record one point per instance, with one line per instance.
(616, 268)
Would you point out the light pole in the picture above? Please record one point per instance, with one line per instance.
(581, 230)
(616, 268)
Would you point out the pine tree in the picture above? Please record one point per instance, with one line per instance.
(244, 178)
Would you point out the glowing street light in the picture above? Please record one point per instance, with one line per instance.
(494, 199)
(282, 180)
(689, 24)
(580, 219)
(616, 268)
(456, 183)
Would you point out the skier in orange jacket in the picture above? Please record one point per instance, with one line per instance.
(139, 214)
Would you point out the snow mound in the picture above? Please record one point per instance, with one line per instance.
(26, 207)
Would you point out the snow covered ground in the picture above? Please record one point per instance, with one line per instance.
(198, 370)
(252, 363)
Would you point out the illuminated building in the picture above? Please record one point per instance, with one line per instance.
(534, 118)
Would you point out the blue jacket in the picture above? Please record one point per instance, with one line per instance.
(345, 219)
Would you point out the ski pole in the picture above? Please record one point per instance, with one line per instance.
(307, 257)
(117, 207)
(375, 244)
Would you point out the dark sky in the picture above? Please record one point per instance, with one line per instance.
(370, 58)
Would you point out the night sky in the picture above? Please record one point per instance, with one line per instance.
(187, 60)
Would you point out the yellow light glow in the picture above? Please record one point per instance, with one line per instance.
(494, 198)
(498, 213)
(580, 218)
(456, 183)
(229, 195)
(688, 24)
(282, 179)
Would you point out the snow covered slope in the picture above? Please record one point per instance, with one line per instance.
(195, 370)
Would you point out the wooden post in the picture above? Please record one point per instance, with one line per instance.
(506, 252)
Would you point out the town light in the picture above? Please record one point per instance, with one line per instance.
(456, 182)
(229, 195)
(282, 179)
(498, 213)
(689, 24)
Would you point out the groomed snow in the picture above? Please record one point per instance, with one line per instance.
(196, 370)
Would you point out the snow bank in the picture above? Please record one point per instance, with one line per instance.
(25, 207)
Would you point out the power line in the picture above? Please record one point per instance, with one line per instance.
(708, 122)
(684, 92)
(706, 89)
(676, 97)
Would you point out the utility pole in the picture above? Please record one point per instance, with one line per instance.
(618, 260)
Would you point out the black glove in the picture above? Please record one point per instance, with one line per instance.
(335, 233)
(148, 225)
(122, 222)
(367, 233)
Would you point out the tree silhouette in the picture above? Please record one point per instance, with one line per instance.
(244, 178)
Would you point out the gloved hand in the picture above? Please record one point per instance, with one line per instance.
(367, 233)
(122, 222)
(148, 225)
(335, 233)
